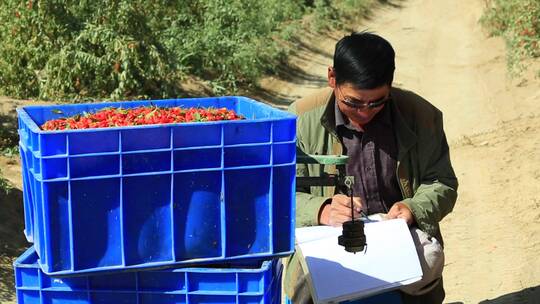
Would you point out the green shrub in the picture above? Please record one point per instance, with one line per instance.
(518, 22)
(232, 42)
(116, 49)
(84, 49)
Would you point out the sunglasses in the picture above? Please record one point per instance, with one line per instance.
(356, 104)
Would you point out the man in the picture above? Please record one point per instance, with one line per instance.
(397, 151)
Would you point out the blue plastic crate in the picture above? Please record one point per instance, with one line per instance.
(258, 285)
(158, 195)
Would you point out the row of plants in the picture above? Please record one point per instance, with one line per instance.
(518, 22)
(111, 49)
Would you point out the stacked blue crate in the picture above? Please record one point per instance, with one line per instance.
(257, 285)
(109, 199)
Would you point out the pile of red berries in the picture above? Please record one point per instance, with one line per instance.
(150, 115)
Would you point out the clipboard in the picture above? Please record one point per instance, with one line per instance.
(334, 275)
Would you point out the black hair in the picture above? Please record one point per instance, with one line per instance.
(364, 60)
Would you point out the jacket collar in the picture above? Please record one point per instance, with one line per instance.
(406, 137)
(328, 119)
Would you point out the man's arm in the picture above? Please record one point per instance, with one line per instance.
(315, 209)
(437, 192)
(307, 205)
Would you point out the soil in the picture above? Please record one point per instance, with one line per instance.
(492, 122)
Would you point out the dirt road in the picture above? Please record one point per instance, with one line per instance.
(493, 125)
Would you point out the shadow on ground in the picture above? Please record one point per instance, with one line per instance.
(392, 3)
(7, 281)
(275, 99)
(8, 131)
(529, 295)
(291, 75)
(295, 75)
(12, 240)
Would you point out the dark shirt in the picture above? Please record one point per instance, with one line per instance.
(372, 160)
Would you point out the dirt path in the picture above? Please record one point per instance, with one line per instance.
(493, 125)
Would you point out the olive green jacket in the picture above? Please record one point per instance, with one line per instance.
(424, 172)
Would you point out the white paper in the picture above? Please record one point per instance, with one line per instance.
(336, 275)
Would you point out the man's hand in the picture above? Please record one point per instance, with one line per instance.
(339, 210)
(400, 210)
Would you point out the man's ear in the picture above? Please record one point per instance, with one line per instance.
(331, 77)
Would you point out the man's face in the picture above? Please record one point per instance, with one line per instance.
(360, 106)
